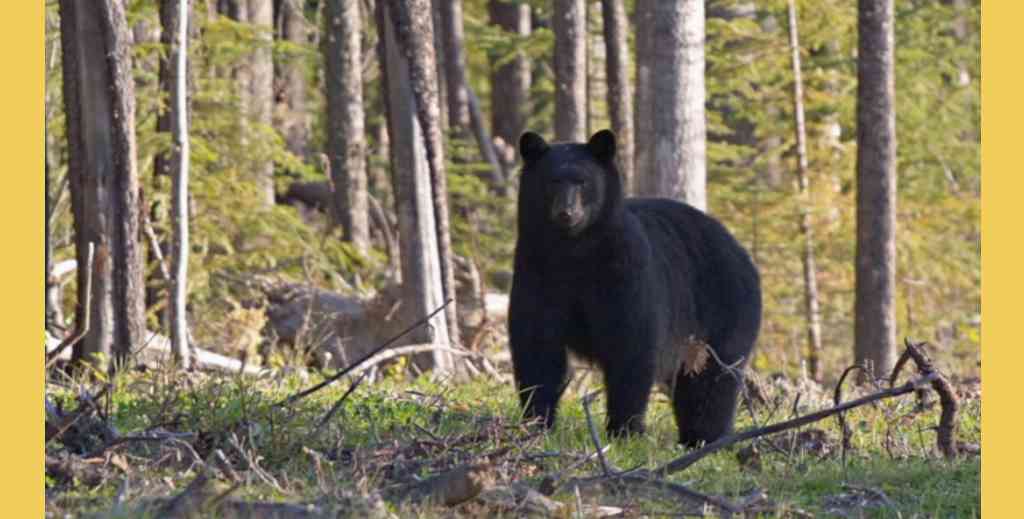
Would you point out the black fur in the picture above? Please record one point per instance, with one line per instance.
(625, 284)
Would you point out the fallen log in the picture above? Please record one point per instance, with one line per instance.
(156, 351)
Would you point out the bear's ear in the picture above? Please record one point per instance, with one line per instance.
(602, 145)
(532, 146)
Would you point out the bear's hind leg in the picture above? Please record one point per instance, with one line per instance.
(705, 404)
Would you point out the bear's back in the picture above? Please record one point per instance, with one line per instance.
(697, 255)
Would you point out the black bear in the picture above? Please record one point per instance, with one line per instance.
(628, 285)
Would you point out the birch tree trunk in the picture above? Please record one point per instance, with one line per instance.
(812, 313)
(179, 195)
(620, 94)
(569, 23)
(99, 101)
(346, 140)
(410, 163)
(875, 323)
(678, 161)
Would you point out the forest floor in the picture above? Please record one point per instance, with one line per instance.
(153, 444)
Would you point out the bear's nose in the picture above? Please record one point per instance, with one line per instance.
(564, 217)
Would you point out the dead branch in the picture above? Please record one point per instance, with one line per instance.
(686, 460)
(57, 425)
(189, 501)
(946, 438)
(448, 488)
(411, 349)
(337, 405)
(593, 434)
(549, 485)
(836, 398)
(74, 468)
(333, 378)
(51, 357)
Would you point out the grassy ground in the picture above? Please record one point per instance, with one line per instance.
(372, 456)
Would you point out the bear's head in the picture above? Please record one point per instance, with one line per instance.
(572, 186)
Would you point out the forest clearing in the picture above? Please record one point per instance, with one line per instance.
(349, 258)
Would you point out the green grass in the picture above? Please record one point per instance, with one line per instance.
(392, 432)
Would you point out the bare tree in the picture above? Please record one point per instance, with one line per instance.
(412, 165)
(678, 158)
(510, 99)
(570, 27)
(620, 93)
(179, 193)
(875, 323)
(813, 315)
(295, 121)
(261, 87)
(346, 140)
(99, 100)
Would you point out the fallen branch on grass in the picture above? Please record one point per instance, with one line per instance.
(411, 349)
(686, 460)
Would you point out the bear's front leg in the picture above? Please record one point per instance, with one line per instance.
(628, 387)
(623, 332)
(539, 357)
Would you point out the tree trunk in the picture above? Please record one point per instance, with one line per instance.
(569, 23)
(620, 95)
(346, 140)
(593, 55)
(238, 10)
(510, 83)
(455, 66)
(678, 159)
(261, 87)
(163, 163)
(459, 100)
(421, 256)
(414, 33)
(440, 60)
(99, 102)
(813, 315)
(875, 323)
(295, 118)
(643, 134)
(179, 195)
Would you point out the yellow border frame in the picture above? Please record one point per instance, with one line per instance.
(21, 37)
(1001, 118)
